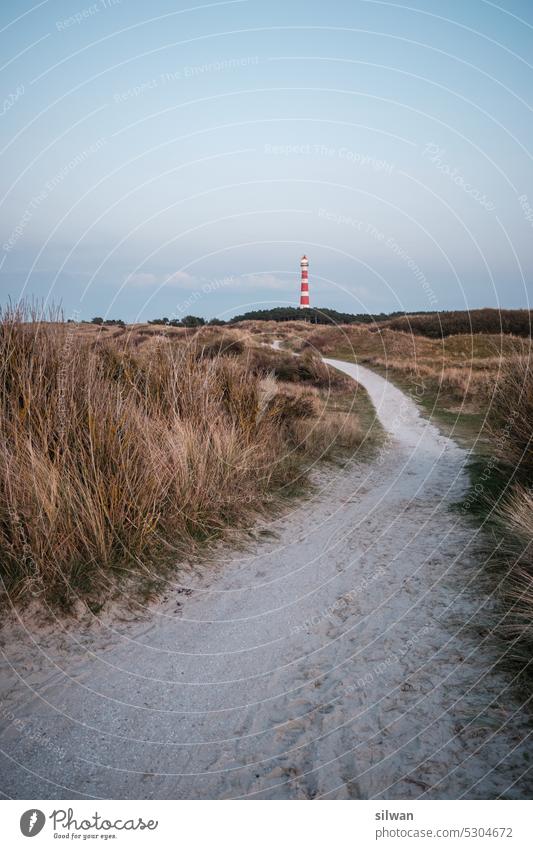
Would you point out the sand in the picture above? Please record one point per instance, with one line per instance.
(342, 654)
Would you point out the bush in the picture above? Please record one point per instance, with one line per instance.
(440, 325)
(192, 321)
(286, 367)
(221, 346)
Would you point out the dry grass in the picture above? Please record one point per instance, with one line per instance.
(336, 431)
(510, 427)
(459, 370)
(511, 415)
(113, 454)
(516, 516)
(307, 368)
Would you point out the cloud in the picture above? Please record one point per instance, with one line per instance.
(259, 282)
(180, 280)
(141, 278)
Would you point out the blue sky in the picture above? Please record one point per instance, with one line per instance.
(168, 158)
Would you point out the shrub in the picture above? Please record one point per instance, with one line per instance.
(307, 368)
(221, 346)
(192, 321)
(440, 325)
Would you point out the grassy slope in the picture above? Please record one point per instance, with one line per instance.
(427, 361)
(121, 451)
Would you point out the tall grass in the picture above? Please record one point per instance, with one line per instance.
(511, 415)
(510, 429)
(113, 455)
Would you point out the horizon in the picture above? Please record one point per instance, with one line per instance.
(98, 317)
(191, 156)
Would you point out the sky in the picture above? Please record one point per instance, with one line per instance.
(169, 158)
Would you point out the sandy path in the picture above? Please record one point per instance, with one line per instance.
(330, 660)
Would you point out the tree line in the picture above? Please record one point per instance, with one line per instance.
(432, 323)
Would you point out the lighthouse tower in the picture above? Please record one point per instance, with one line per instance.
(304, 285)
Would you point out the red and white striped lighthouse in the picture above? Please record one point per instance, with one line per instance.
(304, 285)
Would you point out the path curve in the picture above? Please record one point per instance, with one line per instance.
(339, 656)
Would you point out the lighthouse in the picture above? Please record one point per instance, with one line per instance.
(304, 284)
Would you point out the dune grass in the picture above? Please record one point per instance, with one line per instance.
(117, 456)
(510, 428)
